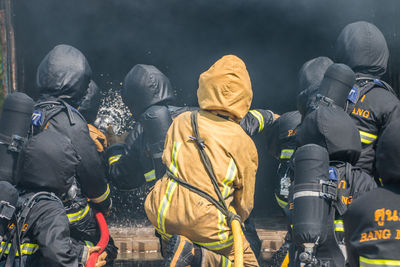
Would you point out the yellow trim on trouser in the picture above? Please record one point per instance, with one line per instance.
(173, 167)
(226, 262)
(114, 159)
(102, 197)
(367, 138)
(364, 262)
(218, 245)
(165, 203)
(73, 217)
(229, 178)
(26, 248)
(281, 203)
(286, 153)
(259, 117)
(339, 226)
(164, 236)
(150, 176)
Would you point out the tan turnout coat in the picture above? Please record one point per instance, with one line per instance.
(224, 89)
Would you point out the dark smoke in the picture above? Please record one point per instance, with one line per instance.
(183, 38)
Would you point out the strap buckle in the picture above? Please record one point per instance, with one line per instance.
(6, 210)
(16, 143)
(328, 190)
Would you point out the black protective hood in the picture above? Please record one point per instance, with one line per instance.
(282, 132)
(91, 102)
(362, 46)
(337, 83)
(387, 154)
(64, 72)
(48, 163)
(306, 98)
(312, 72)
(333, 129)
(145, 86)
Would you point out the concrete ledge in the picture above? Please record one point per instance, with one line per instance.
(139, 244)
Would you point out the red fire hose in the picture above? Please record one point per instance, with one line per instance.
(103, 239)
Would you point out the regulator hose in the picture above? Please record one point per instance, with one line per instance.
(237, 239)
(104, 237)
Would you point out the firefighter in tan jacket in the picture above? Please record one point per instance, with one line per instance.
(196, 232)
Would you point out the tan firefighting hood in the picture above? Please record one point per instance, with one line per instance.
(226, 88)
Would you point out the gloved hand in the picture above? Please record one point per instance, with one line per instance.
(92, 250)
(276, 116)
(98, 138)
(113, 138)
(101, 260)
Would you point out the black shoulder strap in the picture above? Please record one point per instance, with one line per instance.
(363, 86)
(205, 159)
(61, 105)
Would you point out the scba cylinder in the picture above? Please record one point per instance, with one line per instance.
(15, 120)
(311, 206)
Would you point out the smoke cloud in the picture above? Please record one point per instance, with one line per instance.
(183, 38)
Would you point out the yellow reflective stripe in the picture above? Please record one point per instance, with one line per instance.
(285, 262)
(165, 203)
(150, 176)
(259, 117)
(367, 138)
(222, 229)
(114, 159)
(229, 178)
(287, 153)
(102, 197)
(26, 248)
(281, 203)
(164, 236)
(173, 167)
(89, 244)
(73, 217)
(218, 244)
(339, 226)
(364, 262)
(226, 262)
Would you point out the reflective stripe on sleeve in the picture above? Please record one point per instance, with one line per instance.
(229, 178)
(367, 138)
(259, 117)
(73, 217)
(26, 248)
(286, 153)
(150, 176)
(222, 227)
(114, 159)
(102, 197)
(339, 226)
(365, 262)
(281, 203)
(89, 244)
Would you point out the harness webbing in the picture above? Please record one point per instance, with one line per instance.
(221, 205)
